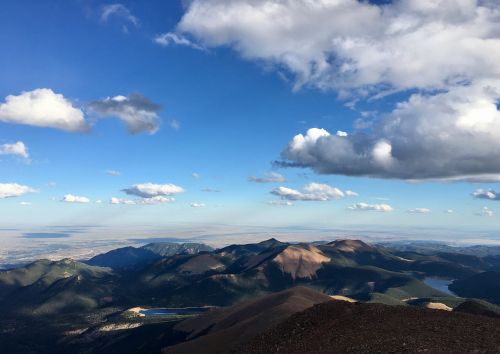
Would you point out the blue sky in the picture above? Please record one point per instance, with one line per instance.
(229, 107)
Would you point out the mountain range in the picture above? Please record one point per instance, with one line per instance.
(84, 306)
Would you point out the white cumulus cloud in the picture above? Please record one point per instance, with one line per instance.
(17, 149)
(150, 190)
(422, 138)
(371, 207)
(198, 205)
(43, 108)
(70, 198)
(10, 190)
(310, 192)
(115, 200)
(157, 200)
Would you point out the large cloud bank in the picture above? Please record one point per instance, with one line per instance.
(350, 44)
(443, 53)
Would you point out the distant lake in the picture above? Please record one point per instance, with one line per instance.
(175, 311)
(439, 284)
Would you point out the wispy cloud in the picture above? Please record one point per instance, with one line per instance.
(142, 201)
(171, 38)
(210, 190)
(280, 203)
(418, 211)
(271, 177)
(113, 173)
(120, 11)
(174, 124)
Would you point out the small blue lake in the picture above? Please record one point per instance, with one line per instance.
(439, 284)
(174, 311)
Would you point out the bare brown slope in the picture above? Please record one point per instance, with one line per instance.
(223, 329)
(350, 246)
(342, 327)
(301, 261)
